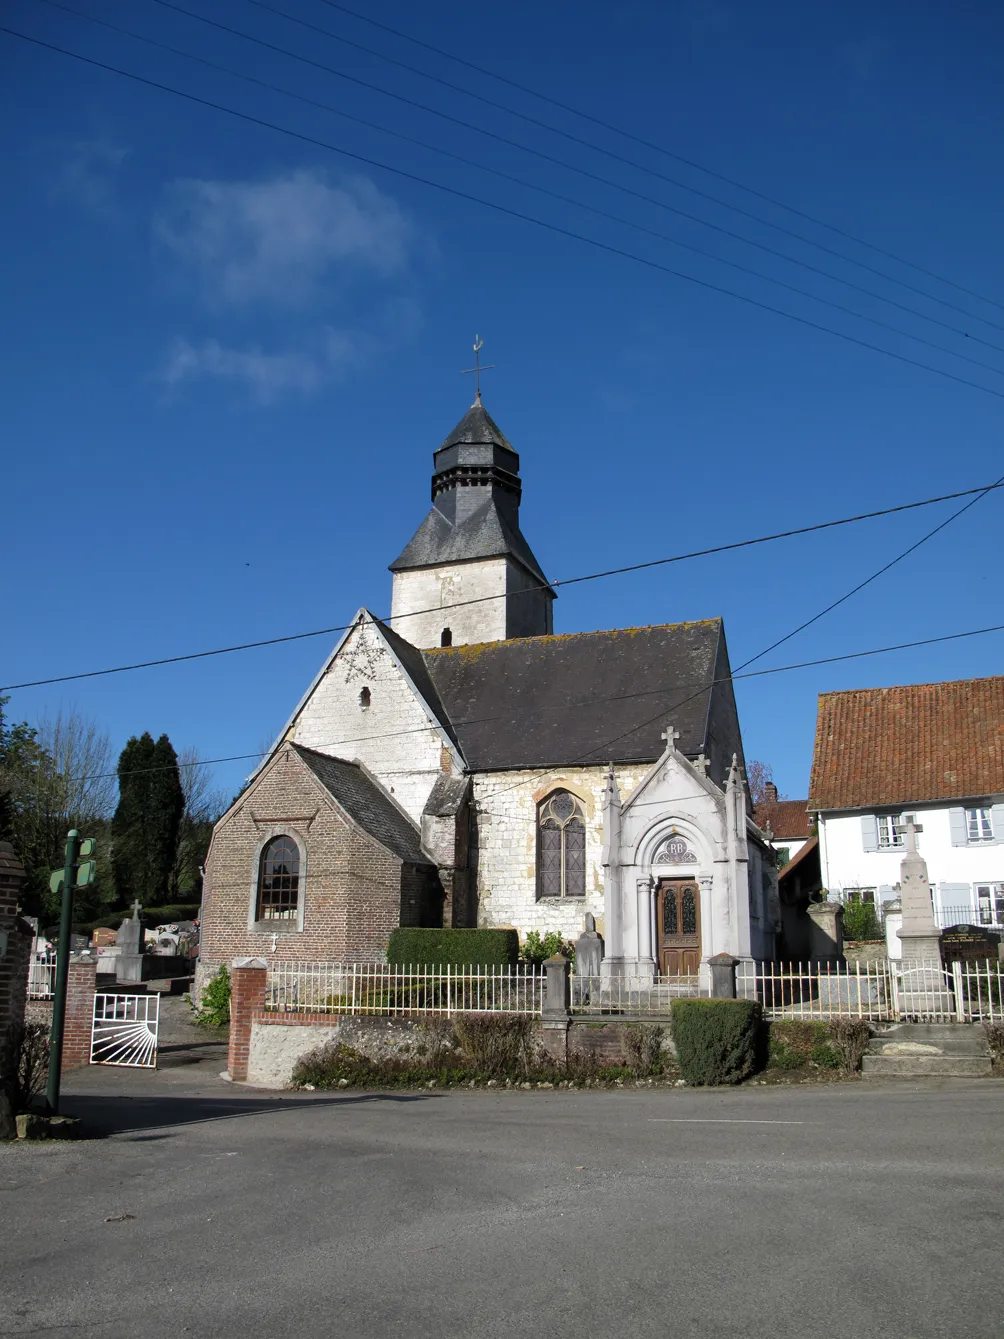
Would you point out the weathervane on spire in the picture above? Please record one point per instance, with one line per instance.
(477, 369)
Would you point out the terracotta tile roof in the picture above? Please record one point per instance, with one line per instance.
(789, 819)
(904, 745)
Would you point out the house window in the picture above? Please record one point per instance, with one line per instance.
(990, 903)
(853, 896)
(278, 881)
(561, 847)
(979, 827)
(890, 830)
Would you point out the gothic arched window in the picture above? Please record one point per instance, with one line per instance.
(561, 846)
(278, 880)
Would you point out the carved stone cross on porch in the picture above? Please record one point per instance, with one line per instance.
(702, 764)
(671, 735)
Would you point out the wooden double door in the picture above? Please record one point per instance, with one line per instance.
(678, 927)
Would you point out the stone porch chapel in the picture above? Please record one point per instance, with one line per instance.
(463, 765)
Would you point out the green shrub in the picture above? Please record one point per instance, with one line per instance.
(410, 946)
(537, 948)
(214, 1009)
(861, 922)
(641, 1046)
(496, 1045)
(795, 1043)
(717, 1041)
(849, 1038)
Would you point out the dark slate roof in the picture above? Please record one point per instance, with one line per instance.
(484, 534)
(366, 804)
(447, 796)
(590, 697)
(477, 428)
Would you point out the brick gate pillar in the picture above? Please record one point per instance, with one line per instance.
(81, 978)
(247, 997)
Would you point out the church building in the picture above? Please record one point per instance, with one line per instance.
(464, 765)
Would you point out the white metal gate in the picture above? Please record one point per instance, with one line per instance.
(124, 1030)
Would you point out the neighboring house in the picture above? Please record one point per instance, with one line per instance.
(463, 765)
(789, 821)
(935, 750)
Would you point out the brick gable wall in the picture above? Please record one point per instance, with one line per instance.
(353, 893)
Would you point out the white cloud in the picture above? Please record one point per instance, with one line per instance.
(277, 240)
(266, 375)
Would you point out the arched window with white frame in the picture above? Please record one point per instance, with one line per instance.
(278, 880)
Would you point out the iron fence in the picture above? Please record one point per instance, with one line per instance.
(819, 990)
(379, 988)
(624, 996)
(41, 980)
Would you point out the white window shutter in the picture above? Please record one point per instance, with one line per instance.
(957, 825)
(997, 818)
(885, 894)
(869, 832)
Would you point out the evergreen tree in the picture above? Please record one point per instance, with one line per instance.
(146, 822)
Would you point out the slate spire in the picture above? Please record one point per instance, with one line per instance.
(476, 492)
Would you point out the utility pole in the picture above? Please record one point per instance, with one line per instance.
(74, 873)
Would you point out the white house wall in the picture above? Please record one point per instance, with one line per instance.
(845, 863)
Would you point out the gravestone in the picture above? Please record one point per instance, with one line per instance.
(588, 960)
(130, 940)
(589, 949)
(969, 943)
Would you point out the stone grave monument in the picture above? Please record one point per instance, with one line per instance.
(923, 987)
(129, 959)
(588, 957)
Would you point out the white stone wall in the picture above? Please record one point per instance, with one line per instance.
(274, 1050)
(441, 589)
(393, 736)
(846, 864)
(507, 837)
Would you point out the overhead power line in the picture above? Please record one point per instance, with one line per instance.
(709, 683)
(505, 210)
(580, 171)
(547, 191)
(700, 167)
(981, 491)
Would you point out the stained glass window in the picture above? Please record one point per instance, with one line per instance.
(561, 847)
(279, 880)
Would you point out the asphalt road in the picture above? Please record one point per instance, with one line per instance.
(857, 1209)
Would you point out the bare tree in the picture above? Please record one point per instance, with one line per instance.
(759, 775)
(83, 765)
(204, 803)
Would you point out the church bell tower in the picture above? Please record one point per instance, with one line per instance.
(468, 575)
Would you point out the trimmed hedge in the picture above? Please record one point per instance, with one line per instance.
(717, 1041)
(456, 948)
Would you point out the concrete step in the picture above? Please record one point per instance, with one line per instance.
(932, 1039)
(926, 1066)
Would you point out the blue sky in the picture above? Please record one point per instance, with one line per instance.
(229, 354)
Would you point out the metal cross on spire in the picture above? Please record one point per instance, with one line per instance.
(477, 369)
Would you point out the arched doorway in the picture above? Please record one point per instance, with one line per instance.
(678, 927)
